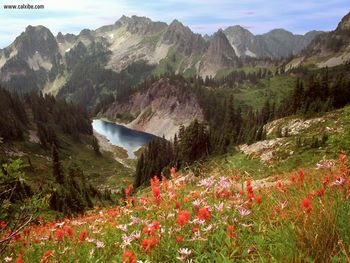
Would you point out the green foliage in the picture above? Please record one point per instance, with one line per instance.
(191, 143)
(321, 93)
(18, 204)
(51, 115)
(13, 118)
(72, 194)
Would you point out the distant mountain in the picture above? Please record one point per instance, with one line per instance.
(31, 60)
(327, 49)
(219, 54)
(86, 66)
(277, 43)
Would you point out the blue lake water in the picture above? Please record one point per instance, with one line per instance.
(121, 136)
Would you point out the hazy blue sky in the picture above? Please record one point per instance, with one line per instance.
(202, 16)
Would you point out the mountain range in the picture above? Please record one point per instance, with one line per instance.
(43, 61)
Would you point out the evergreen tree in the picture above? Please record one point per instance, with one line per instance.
(56, 166)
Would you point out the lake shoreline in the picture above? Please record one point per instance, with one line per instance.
(116, 135)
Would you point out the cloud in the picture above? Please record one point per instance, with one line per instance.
(202, 16)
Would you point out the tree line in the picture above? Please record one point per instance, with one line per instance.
(228, 124)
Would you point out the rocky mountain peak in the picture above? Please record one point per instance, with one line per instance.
(36, 39)
(344, 23)
(67, 37)
(184, 40)
(242, 40)
(140, 25)
(237, 29)
(220, 51)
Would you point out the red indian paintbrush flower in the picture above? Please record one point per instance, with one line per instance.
(230, 231)
(47, 254)
(179, 239)
(151, 228)
(128, 191)
(69, 231)
(183, 218)
(83, 235)
(258, 199)
(59, 234)
(204, 214)
(306, 205)
(149, 243)
(128, 257)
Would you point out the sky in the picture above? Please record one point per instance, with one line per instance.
(202, 16)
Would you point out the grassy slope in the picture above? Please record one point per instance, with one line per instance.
(275, 228)
(275, 88)
(335, 124)
(297, 216)
(101, 171)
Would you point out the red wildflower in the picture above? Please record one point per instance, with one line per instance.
(128, 257)
(128, 191)
(19, 260)
(301, 176)
(230, 230)
(306, 205)
(250, 196)
(83, 235)
(223, 194)
(156, 192)
(69, 231)
(204, 213)
(320, 192)
(3, 224)
(342, 157)
(194, 229)
(59, 234)
(47, 254)
(195, 195)
(326, 180)
(177, 205)
(183, 217)
(179, 239)
(257, 199)
(149, 243)
(152, 228)
(293, 177)
(156, 224)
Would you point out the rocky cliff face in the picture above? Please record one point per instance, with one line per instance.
(160, 109)
(219, 54)
(242, 41)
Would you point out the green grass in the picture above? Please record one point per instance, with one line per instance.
(172, 62)
(99, 170)
(280, 227)
(275, 89)
(290, 156)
